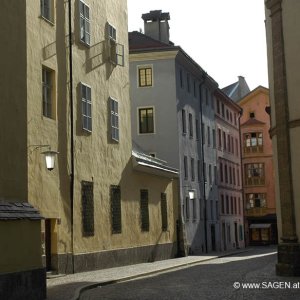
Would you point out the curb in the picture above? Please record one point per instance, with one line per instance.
(80, 290)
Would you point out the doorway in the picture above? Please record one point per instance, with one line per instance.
(213, 237)
(48, 244)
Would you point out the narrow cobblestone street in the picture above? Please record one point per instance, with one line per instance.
(221, 278)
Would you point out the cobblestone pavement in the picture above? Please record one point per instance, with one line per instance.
(249, 275)
(69, 286)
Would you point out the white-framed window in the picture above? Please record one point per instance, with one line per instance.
(48, 93)
(84, 23)
(86, 102)
(47, 10)
(145, 76)
(146, 120)
(116, 50)
(114, 119)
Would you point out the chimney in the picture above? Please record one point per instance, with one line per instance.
(156, 25)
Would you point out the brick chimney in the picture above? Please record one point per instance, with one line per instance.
(156, 25)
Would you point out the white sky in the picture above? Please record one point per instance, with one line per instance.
(225, 37)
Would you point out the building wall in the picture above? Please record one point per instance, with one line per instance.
(166, 123)
(230, 185)
(257, 103)
(291, 24)
(13, 106)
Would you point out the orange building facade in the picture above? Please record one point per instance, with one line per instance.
(258, 172)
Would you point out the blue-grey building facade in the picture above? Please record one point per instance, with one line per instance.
(172, 109)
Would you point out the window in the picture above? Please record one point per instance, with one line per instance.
(87, 202)
(181, 78)
(114, 115)
(145, 76)
(221, 172)
(237, 147)
(197, 129)
(226, 174)
(238, 176)
(192, 169)
(208, 136)
(191, 125)
(164, 211)
(215, 175)
(116, 50)
(222, 204)
(251, 115)
(228, 143)
(203, 133)
(230, 175)
(253, 142)
(84, 12)
(211, 210)
(187, 208)
(227, 205)
(199, 170)
(146, 120)
(195, 93)
(115, 204)
(86, 102)
(218, 106)
(214, 138)
(207, 97)
(254, 174)
(231, 205)
(185, 166)
(209, 175)
(144, 210)
(188, 82)
(204, 173)
(223, 110)
(217, 210)
(48, 97)
(219, 138)
(233, 173)
(47, 9)
(255, 200)
(183, 119)
(194, 209)
(224, 140)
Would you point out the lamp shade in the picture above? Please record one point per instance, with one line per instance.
(50, 159)
(191, 194)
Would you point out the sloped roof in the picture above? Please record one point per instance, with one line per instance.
(252, 121)
(149, 164)
(138, 40)
(237, 90)
(18, 211)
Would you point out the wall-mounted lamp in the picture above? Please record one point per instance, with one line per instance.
(192, 194)
(49, 156)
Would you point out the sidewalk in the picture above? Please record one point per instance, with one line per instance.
(69, 287)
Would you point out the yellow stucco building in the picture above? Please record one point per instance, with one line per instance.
(65, 86)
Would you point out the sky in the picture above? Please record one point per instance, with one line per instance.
(225, 37)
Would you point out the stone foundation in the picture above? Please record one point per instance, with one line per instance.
(288, 259)
(25, 285)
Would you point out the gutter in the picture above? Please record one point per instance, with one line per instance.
(71, 134)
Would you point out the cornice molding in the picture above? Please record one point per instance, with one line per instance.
(274, 6)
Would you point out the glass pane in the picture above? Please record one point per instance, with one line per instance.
(83, 92)
(89, 110)
(88, 94)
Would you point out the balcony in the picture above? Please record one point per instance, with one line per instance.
(259, 211)
(253, 181)
(253, 149)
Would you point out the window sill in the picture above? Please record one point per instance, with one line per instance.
(85, 44)
(47, 21)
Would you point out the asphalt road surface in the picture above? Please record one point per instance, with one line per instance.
(249, 275)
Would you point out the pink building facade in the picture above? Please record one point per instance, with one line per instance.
(257, 168)
(227, 114)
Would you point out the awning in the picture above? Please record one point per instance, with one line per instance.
(260, 225)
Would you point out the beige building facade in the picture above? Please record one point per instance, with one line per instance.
(282, 27)
(66, 86)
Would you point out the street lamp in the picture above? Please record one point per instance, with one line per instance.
(49, 155)
(50, 158)
(192, 194)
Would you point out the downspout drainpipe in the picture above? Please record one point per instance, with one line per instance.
(72, 135)
(203, 171)
(242, 175)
